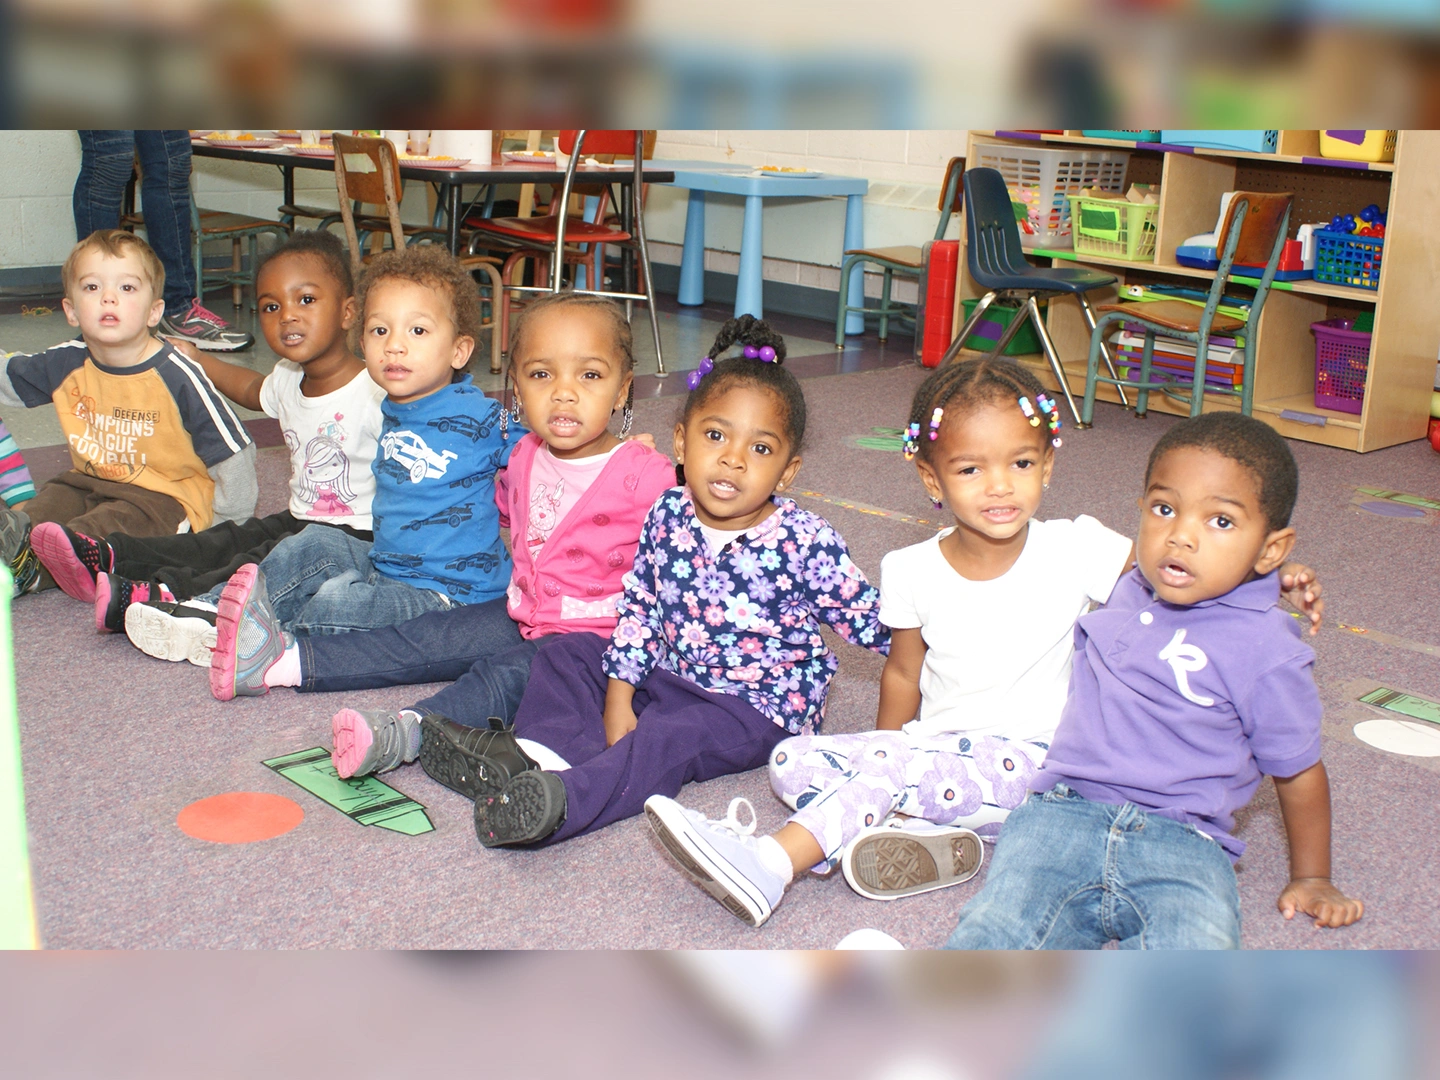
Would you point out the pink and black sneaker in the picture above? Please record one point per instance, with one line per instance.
(73, 559)
(114, 595)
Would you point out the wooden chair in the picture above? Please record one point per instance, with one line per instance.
(368, 171)
(904, 259)
(544, 239)
(1254, 230)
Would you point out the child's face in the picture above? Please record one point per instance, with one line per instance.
(111, 300)
(411, 345)
(1202, 531)
(569, 379)
(990, 467)
(304, 311)
(736, 454)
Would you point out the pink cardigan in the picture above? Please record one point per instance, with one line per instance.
(575, 584)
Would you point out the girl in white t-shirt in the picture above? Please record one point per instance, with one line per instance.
(982, 620)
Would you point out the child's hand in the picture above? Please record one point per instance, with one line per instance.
(186, 347)
(1301, 589)
(1317, 897)
(644, 438)
(620, 720)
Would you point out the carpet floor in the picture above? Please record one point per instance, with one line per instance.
(116, 744)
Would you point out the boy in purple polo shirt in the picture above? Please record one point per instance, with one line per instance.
(1188, 687)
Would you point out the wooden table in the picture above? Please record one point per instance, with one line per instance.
(449, 181)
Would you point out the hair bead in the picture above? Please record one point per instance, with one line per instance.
(935, 423)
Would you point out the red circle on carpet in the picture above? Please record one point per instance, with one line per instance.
(240, 817)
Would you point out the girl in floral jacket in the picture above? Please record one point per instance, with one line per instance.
(717, 655)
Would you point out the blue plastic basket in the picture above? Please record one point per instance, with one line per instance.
(1262, 142)
(1345, 259)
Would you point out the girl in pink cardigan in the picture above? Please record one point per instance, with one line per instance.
(573, 496)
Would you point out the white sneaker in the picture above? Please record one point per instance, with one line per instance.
(172, 631)
(886, 863)
(719, 856)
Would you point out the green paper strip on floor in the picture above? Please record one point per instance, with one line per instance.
(361, 798)
(1417, 708)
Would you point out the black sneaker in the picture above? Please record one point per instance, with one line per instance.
(476, 762)
(15, 550)
(531, 807)
(205, 330)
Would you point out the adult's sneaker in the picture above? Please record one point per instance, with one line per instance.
(172, 631)
(73, 559)
(886, 863)
(248, 637)
(721, 857)
(205, 330)
(476, 762)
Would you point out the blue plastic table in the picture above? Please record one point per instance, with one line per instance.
(702, 177)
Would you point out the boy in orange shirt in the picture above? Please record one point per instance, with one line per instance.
(155, 448)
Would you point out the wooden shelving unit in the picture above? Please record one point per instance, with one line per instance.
(1407, 318)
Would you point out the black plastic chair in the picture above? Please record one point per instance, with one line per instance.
(997, 263)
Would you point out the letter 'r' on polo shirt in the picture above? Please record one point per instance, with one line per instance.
(1182, 710)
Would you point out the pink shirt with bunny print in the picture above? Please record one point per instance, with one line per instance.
(573, 541)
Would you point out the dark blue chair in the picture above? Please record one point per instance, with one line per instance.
(997, 263)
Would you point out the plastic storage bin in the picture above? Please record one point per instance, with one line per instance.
(992, 326)
(1262, 142)
(1043, 177)
(1114, 227)
(1358, 145)
(1133, 135)
(1342, 357)
(1346, 259)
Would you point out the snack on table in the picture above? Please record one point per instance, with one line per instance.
(781, 168)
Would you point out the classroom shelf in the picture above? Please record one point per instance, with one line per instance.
(1407, 321)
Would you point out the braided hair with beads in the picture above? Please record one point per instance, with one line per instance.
(961, 387)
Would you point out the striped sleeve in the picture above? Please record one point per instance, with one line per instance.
(215, 431)
(15, 482)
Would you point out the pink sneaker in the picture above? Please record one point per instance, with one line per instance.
(73, 559)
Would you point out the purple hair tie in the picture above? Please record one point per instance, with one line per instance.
(752, 352)
(767, 354)
(694, 378)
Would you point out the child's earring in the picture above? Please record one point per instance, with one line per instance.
(1045, 486)
(627, 413)
(936, 502)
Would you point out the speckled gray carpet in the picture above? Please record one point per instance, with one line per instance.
(116, 744)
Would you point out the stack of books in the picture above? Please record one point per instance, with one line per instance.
(1174, 359)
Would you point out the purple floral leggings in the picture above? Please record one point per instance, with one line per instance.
(841, 784)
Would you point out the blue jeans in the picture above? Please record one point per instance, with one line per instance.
(1069, 873)
(476, 645)
(321, 581)
(106, 158)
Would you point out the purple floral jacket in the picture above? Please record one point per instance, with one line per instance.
(746, 620)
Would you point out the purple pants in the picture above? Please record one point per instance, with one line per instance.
(684, 733)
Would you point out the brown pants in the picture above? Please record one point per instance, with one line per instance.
(98, 507)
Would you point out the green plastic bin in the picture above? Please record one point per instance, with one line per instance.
(992, 327)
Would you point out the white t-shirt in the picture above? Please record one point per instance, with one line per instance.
(555, 487)
(332, 441)
(1000, 651)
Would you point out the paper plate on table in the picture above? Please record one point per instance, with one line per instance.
(288, 135)
(529, 157)
(245, 144)
(312, 150)
(807, 174)
(434, 162)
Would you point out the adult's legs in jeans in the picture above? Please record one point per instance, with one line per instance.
(165, 162)
(107, 159)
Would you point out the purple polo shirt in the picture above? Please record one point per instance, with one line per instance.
(1181, 710)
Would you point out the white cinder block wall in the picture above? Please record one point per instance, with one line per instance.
(803, 236)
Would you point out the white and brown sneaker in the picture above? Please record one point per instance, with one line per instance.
(886, 863)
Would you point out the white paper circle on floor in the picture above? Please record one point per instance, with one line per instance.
(1411, 738)
(869, 939)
